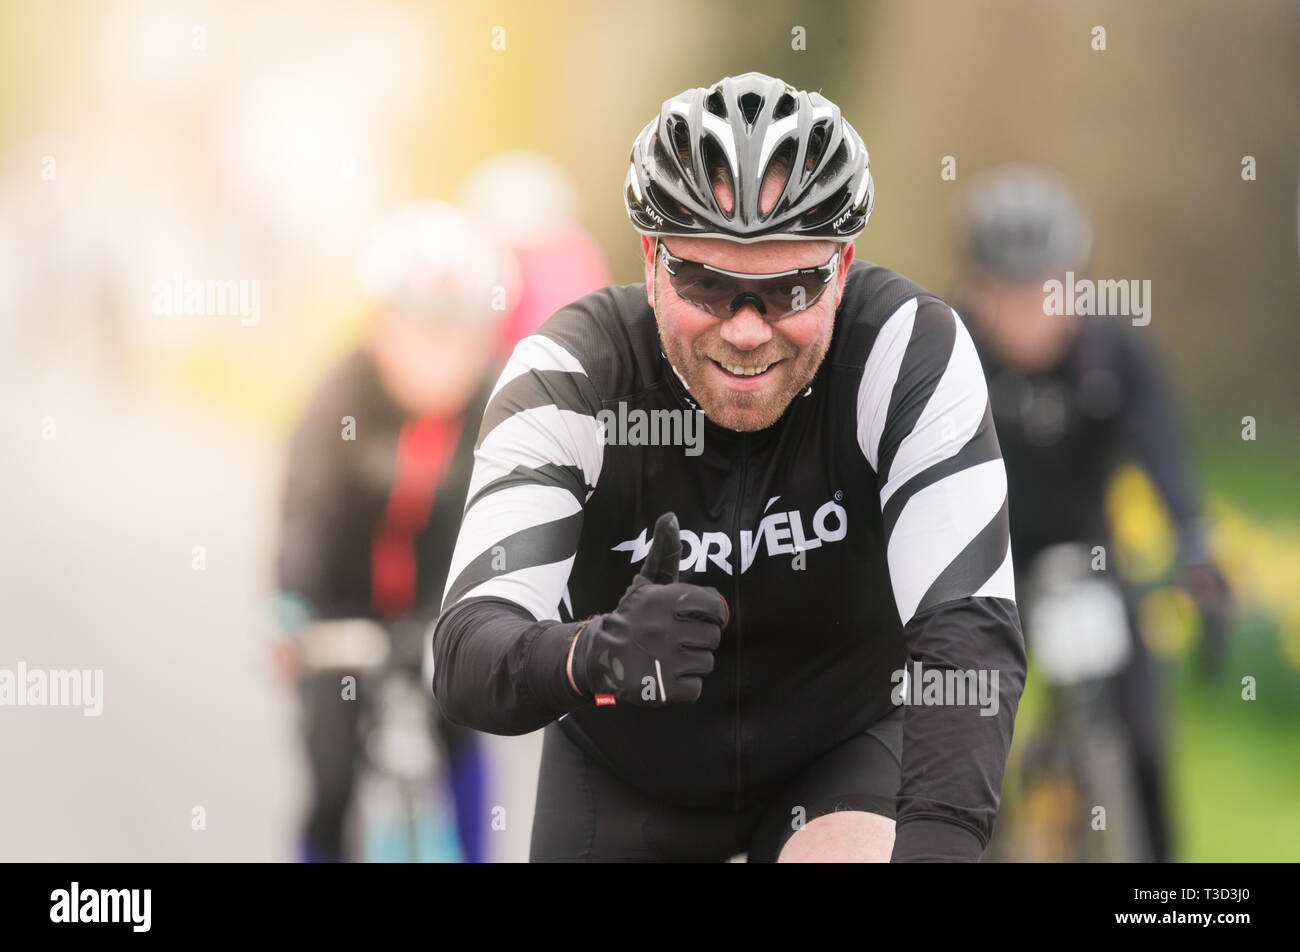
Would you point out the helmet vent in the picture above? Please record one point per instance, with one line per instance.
(668, 205)
(781, 163)
(681, 137)
(816, 144)
(716, 104)
(750, 104)
(715, 162)
(784, 106)
(661, 159)
(824, 210)
(837, 161)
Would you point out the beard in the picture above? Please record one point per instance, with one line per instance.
(743, 412)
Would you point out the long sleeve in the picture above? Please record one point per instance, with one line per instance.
(1154, 436)
(499, 652)
(313, 496)
(926, 427)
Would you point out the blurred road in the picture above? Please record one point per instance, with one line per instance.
(96, 563)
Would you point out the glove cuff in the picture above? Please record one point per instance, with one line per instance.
(548, 655)
(581, 640)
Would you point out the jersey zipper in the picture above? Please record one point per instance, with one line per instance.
(735, 607)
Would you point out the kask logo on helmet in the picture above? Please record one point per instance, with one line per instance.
(778, 533)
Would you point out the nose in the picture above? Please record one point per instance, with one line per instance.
(746, 329)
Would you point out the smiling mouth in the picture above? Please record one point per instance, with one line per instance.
(742, 372)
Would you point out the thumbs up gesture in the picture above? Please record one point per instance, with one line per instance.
(657, 647)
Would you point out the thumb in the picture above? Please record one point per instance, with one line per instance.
(665, 556)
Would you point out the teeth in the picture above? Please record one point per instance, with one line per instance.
(743, 371)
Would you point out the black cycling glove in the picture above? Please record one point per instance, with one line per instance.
(657, 646)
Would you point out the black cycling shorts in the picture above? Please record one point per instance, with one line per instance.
(585, 814)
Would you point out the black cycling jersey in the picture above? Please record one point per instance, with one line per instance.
(865, 530)
(1068, 425)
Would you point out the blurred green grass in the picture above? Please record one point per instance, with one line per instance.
(1261, 477)
(1234, 777)
(1235, 764)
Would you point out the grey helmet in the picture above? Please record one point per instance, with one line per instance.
(1023, 223)
(734, 129)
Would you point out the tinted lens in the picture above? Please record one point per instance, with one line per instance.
(705, 289)
(722, 293)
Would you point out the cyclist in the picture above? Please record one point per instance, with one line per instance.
(531, 203)
(376, 481)
(843, 513)
(1070, 397)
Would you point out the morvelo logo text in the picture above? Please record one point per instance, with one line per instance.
(779, 533)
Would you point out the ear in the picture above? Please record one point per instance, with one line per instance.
(648, 245)
(846, 259)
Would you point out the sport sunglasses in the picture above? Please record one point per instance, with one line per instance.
(722, 293)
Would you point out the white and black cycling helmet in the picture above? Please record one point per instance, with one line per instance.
(1023, 223)
(732, 131)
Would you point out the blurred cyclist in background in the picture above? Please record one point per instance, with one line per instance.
(1072, 396)
(377, 476)
(531, 204)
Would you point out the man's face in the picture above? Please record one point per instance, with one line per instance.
(706, 350)
(430, 369)
(1018, 325)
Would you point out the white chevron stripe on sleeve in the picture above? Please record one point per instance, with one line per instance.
(1002, 583)
(536, 589)
(950, 418)
(936, 524)
(536, 352)
(879, 376)
(538, 436)
(501, 515)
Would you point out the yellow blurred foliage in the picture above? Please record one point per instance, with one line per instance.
(264, 385)
(1289, 634)
(1170, 622)
(1261, 562)
(1145, 542)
